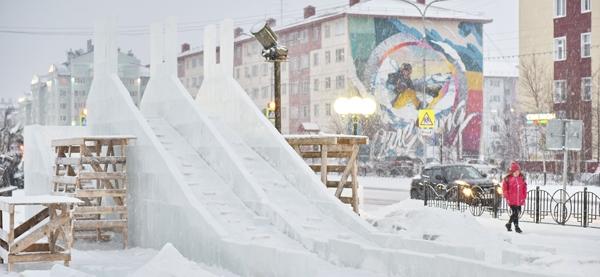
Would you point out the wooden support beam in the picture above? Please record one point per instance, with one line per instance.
(91, 210)
(102, 224)
(34, 220)
(101, 193)
(330, 168)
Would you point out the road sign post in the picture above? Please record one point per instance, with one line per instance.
(565, 135)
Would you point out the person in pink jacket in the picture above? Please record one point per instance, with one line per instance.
(514, 189)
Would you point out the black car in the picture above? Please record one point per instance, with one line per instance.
(397, 166)
(450, 182)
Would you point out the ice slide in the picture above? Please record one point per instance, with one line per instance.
(225, 189)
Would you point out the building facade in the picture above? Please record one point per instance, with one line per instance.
(558, 37)
(352, 51)
(59, 97)
(500, 86)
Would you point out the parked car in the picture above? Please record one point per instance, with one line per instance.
(483, 167)
(448, 181)
(397, 166)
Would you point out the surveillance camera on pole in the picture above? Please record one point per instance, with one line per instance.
(272, 52)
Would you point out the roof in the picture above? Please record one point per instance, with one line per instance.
(399, 8)
(309, 126)
(500, 69)
(371, 8)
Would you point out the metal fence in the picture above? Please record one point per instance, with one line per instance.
(579, 209)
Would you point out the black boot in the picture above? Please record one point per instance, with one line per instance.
(518, 230)
(507, 225)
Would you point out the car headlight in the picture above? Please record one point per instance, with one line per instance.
(499, 190)
(467, 192)
(460, 182)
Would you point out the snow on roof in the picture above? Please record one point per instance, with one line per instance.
(309, 126)
(500, 69)
(368, 7)
(399, 8)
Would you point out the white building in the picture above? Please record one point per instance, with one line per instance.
(59, 97)
(500, 85)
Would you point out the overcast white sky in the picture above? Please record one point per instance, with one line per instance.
(23, 55)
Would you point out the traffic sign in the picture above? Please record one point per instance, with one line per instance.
(564, 135)
(574, 134)
(426, 119)
(554, 134)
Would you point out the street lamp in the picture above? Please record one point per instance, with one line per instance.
(423, 40)
(272, 52)
(355, 106)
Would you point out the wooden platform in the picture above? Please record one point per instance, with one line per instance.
(37, 239)
(93, 169)
(332, 153)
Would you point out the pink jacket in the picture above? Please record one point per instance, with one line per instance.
(514, 190)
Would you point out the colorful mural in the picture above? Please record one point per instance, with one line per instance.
(388, 59)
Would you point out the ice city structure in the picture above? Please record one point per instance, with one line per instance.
(213, 177)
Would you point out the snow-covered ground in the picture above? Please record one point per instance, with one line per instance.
(545, 248)
(98, 260)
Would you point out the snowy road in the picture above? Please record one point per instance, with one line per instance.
(547, 248)
(381, 191)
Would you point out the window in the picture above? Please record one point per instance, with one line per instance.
(63, 106)
(305, 111)
(340, 82)
(316, 33)
(316, 84)
(327, 31)
(193, 63)
(316, 110)
(327, 82)
(304, 61)
(293, 88)
(63, 92)
(327, 109)
(246, 72)
(586, 45)
(495, 128)
(254, 70)
(237, 73)
(586, 5)
(560, 49)
(560, 8)
(339, 55)
(255, 93)
(560, 91)
(265, 92)
(327, 57)
(586, 89)
(339, 28)
(315, 59)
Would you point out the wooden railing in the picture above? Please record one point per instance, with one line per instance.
(336, 154)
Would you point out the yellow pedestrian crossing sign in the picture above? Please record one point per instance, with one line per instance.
(426, 119)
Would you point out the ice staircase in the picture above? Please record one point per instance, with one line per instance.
(316, 227)
(215, 194)
(220, 200)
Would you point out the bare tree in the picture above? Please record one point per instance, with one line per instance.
(536, 83)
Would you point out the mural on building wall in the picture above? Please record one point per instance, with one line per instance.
(388, 60)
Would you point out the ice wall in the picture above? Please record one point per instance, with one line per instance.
(40, 156)
(161, 209)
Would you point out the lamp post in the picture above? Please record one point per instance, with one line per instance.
(272, 52)
(355, 107)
